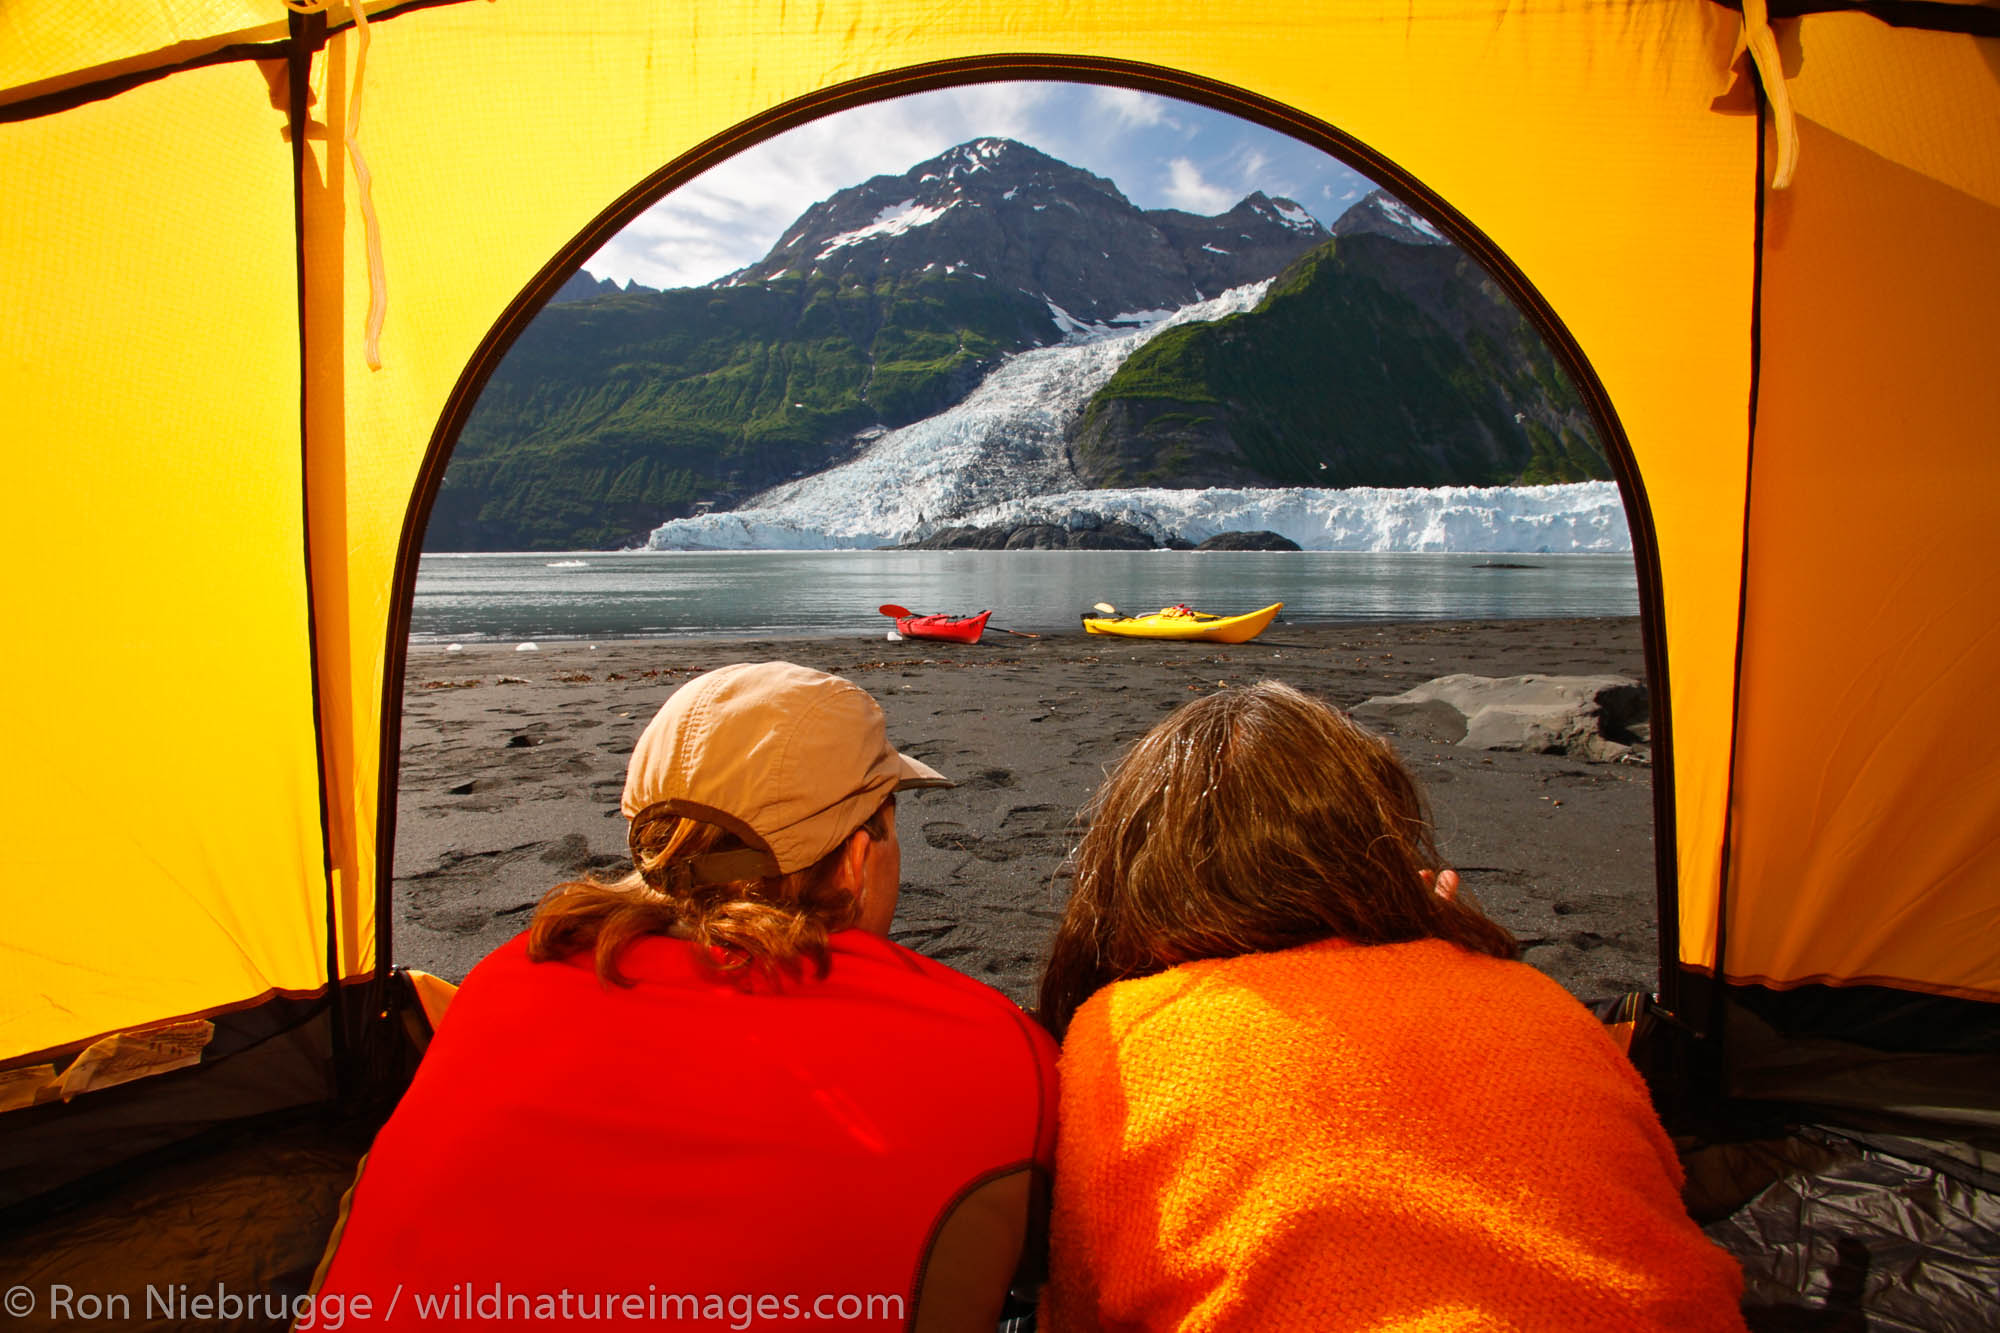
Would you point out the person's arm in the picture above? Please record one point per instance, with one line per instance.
(995, 1235)
(978, 1251)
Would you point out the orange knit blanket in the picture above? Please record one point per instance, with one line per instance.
(1402, 1136)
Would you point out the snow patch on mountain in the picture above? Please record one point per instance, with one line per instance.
(891, 221)
(1068, 323)
(1402, 213)
(1294, 217)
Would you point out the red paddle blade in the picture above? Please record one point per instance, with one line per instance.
(899, 612)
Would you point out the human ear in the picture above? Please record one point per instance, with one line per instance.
(853, 858)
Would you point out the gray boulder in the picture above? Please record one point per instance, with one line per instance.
(1111, 536)
(1600, 718)
(1248, 541)
(1038, 537)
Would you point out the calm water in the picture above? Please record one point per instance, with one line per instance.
(608, 595)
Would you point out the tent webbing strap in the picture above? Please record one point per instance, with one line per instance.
(59, 99)
(1930, 15)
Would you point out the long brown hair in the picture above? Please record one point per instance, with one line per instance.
(776, 923)
(1250, 820)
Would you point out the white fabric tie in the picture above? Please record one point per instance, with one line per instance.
(371, 230)
(1763, 47)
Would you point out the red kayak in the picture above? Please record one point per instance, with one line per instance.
(955, 629)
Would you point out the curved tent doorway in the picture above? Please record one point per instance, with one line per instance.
(1802, 385)
(461, 891)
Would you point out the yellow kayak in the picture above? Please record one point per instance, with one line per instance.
(1178, 622)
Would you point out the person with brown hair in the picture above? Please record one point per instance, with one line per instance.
(714, 1092)
(1306, 1085)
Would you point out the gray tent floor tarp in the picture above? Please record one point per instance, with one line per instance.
(1848, 1230)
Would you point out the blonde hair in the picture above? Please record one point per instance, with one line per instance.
(775, 923)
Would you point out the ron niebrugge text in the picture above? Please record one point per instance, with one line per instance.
(465, 1301)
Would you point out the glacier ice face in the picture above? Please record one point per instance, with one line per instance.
(1580, 516)
(1577, 517)
(1003, 442)
(997, 457)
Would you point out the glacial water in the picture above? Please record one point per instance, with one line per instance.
(635, 594)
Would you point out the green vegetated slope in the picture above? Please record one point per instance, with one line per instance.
(1368, 363)
(613, 414)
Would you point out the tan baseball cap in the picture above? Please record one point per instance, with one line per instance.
(789, 759)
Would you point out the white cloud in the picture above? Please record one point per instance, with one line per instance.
(1129, 107)
(733, 213)
(1186, 189)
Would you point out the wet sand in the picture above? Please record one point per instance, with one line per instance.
(512, 764)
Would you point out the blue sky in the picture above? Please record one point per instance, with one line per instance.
(1161, 152)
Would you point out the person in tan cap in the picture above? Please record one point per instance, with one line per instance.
(714, 1092)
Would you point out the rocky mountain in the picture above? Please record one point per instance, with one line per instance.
(1382, 214)
(582, 287)
(1379, 359)
(879, 306)
(1009, 214)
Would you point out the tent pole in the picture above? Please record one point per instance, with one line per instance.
(307, 35)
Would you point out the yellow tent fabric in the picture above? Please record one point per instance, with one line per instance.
(1864, 853)
(212, 488)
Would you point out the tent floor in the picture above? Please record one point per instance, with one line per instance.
(242, 1214)
(1835, 1230)
(1838, 1230)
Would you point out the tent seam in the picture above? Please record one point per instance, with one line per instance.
(1723, 885)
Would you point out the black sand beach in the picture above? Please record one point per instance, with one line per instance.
(512, 764)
